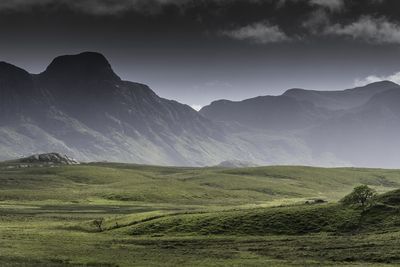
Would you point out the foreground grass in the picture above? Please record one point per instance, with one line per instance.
(40, 243)
(159, 216)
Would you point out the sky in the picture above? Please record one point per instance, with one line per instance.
(198, 51)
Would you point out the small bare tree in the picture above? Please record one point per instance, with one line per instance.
(99, 224)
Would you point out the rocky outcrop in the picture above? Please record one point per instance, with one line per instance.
(49, 159)
(236, 164)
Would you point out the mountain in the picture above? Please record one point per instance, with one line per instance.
(356, 127)
(275, 113)
(80, 107)
(341, 100)
(366, 135)
(296, 109)
(17, 93)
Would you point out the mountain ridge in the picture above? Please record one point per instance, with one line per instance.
(105, 119)
(342, 99)
(80, 107)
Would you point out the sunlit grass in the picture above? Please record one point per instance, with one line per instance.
(160, 216)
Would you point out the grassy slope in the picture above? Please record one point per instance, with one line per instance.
(191, 186)
(290, 220)
(187, 216)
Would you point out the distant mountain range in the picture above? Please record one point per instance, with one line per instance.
(78, 106)
(358, 127)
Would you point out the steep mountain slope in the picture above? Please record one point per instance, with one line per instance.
(78, 106)
(81, 107)
(18, 94)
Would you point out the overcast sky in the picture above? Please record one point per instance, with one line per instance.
(197, 51)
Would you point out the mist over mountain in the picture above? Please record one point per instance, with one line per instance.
(341, 100)
(357, 127)
(80, 107)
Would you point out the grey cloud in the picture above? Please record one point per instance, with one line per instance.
(377, 1)
(317, 21)
(332, 5)
(369, 29)
(100, 7)
(260, 32)
(395, 77)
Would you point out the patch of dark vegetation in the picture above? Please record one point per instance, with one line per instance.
(360, 212)
(380, 180)
(215, 185)
(315, 201)
(391, 198)
(24, 262)
(124, 197)
(101, 264)
(285, 220)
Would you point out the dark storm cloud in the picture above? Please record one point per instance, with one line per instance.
(317, 21)
(332, 5)
(249, 21)
(95, 7)
(110, 7)
(196, 51)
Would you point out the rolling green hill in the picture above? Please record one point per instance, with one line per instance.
(168, 216)
(192, 186)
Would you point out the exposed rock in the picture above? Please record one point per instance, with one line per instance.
(316, 201)
(49, 158)
(236, 164)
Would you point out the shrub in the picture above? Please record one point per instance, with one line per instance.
(99, 224)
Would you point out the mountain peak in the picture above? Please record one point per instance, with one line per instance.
(381, 85)
(83, 66)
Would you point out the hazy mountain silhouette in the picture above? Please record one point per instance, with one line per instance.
(356, 126)
(339, 100)
(275, 113)
(80, 107)
(366, 135)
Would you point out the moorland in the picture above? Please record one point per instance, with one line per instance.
(110, 214)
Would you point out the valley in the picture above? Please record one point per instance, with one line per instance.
(152, 216)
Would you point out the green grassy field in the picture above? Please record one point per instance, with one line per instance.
(164, 216)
